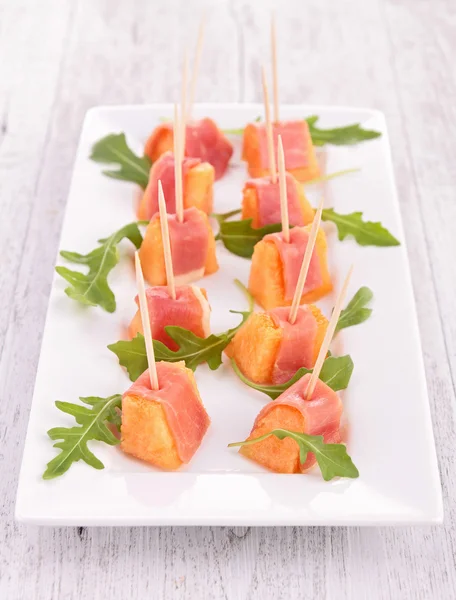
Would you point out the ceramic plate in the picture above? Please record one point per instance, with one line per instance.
(389, 432)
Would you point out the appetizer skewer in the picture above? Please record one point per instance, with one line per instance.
(277, 259)
(183, 305)
(260, 200)
(273, 345)
(163, 417)
(308, 407)
(203, 139)
(300, 157)
(191, 237)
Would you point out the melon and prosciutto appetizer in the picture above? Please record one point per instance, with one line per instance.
(164, 427)
(318, 415)
(268, 349)
(276, 264)
(197, 178)
(192, 248)
(189, 309)
(261, 202)
(203, 140)
(300, 157)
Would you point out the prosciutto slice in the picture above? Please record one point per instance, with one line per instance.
(268, 200)
(321, 413)
(189, 244)
(185, 414)
(203, 140)
(163, 169)
(296, 142)
(291, 254)
(298, 342)
(189, 309)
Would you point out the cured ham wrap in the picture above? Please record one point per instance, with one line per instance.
(276, 264)
(203, 140)
(198, 180)
(189, 309)
(300, 157)
(164, 427)
(192, 248)
(319, 415)
(268, 349)
(261, 202)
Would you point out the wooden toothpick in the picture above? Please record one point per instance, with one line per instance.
(183, 108)
(305, 263)
(178, 168)
(275, 80)
(283, 191)
(146, 324)
(166, 242)
(328, 337)
(196, 64)
(269, 133)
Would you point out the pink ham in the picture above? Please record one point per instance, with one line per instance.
(298, 342)
(291, 254)
(189, 309)
(187, 419)
(268, 198)
(296, 141)
(205, 141)
(189, 243)
(163, 169)
(321, 413)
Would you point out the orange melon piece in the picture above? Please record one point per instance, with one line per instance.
(197, 191)
(266, 282)
(152, 255)
(160, 141)
(252, 156)
(250, 205)
(145, 431)
(281, 456)
(255, 346)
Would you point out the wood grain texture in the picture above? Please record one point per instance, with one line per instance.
(58, 58)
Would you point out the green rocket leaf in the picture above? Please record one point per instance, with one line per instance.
(339, 136)
(365, 233)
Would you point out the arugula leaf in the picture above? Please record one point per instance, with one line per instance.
(193, 349)
(239, 237)
(355, 311)
(332, 459)
(331, 176)
(113, 150)
(366, 233)
(93, 423)
(339, 136)
(221, 217)
(92, 288)
(336, 373)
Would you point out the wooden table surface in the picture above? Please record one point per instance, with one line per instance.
(57, 59)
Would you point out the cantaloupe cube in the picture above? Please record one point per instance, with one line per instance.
(281, 456)
(251, 154)
(160, 141)
(145, 433)
(266, 282)
(197, 191)
(250, 206)
(256, 345)
(152, 255)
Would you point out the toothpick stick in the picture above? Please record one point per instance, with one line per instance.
(275, 80)
(183, 109)
(283, 191)
(196, 64)
(328, 337)
(166, 241)
(146, 324)
(305, 263)
(178, 167)
(269, 134)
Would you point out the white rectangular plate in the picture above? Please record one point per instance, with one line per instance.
(386, 406)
